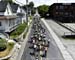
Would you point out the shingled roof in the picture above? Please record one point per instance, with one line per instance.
(14, 7)
(3, 6)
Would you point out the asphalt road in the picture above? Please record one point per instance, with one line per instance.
(69, 44)
(53, 51)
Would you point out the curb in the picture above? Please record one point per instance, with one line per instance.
(23, 46)
(62, 49)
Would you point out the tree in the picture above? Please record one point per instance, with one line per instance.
(43, 9)
(24, 6)
(31, 4)
(31, 7)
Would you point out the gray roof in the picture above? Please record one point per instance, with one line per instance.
(14, 7)
(3, 6)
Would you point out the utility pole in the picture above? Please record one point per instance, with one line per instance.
(57, 1)
(27, 11)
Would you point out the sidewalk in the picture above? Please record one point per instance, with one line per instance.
(62, 49)
(23, 46)
(18, 52)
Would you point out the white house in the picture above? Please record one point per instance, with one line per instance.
(8, 18)
(16, 10)
(23, 11)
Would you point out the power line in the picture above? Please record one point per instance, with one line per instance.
(19, 2)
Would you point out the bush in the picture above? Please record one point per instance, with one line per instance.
(3, 44)
(30, 17)
(4, 53)
(18, 31)
(10, 45)
(3, 47)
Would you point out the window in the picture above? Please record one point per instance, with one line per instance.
(66, 13)
(61, 7)
(9, 22)
(57, 7)
(13, 22)
(61, 13)
(0, 24)
(57, 13)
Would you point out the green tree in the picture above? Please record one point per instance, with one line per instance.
(24, 6)
(31, 7)
(43, 9)
(31, 4)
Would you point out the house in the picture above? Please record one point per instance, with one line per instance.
(19, 11)
(15, 11)
(8, 18)
(23, 11)
(63, 12)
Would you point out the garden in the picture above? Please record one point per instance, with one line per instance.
(5, 47)
(20, 29)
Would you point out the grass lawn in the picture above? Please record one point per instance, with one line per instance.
(18, 31)
(7, 50)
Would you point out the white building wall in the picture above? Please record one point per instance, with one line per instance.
(2, 25)
(9, 25)
(6, 25)
(24, 17)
